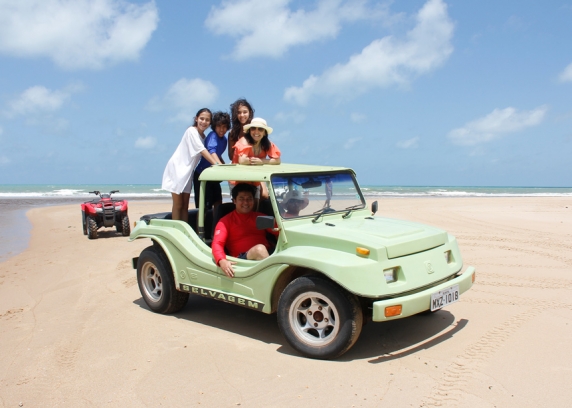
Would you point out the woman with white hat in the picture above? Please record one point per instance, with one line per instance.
(255, 148)
(294, 201)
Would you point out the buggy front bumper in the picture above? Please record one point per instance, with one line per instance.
(420, 301)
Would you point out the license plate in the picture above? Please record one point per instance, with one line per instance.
(444, 297)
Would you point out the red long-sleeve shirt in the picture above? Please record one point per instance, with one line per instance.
(237, 233)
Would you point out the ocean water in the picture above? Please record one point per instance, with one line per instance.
(55, 192)
(16, 199)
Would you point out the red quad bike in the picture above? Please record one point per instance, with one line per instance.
(104, 212)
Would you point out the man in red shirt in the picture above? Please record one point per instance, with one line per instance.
(237, 231)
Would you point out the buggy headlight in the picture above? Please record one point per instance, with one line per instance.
(98, 209)
(390, 274)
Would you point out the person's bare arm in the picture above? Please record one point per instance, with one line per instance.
(208, 156)
(263, 190)
(244, 159)
(226, 267)
(217, 159)
(271, 161)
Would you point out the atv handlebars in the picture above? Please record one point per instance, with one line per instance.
(96, 192)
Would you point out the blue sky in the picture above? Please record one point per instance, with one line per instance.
(438, 93)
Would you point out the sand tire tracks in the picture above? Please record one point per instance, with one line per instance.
(455, 378)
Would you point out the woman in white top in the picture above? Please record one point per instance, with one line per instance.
(178, 175)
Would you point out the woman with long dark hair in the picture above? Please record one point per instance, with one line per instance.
(178, 175)
(241, 113)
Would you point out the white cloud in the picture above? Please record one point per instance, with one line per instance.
(386, 61)
(351, 142)
(186, 97)
(412, 143)
(40, 99)
(357, 117)
(566, 75)
(148, 142)
(496, 124)
(269, 28)
(78, 33)
(4, 161)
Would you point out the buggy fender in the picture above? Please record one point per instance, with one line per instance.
(176, 241)
(356, 274)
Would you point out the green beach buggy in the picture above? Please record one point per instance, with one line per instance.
(335, 265)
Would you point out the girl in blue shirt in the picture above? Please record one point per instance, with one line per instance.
(215, 143)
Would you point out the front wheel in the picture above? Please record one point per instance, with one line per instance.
(318, 318)
(91, 228)
(156, 282)
(125, 227)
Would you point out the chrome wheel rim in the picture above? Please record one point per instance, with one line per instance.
(152, 281)
(314, 319)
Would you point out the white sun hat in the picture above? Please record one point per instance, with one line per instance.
(296, 195)
(260, 123)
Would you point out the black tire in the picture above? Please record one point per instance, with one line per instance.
(125, 227)
(318, 318)
(83, 223)
(156, 282)
(91, 228)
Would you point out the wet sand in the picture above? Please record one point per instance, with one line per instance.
(74, 330)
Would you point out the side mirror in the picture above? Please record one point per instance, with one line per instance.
(373, 207)
(264, 222)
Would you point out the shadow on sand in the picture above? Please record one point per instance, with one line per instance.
(105, 233)
(378, 342)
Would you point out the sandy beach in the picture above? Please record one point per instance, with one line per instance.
(75, 332)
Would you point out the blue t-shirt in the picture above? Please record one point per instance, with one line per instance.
(213, 144)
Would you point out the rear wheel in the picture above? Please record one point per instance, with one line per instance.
(91, 228)
(126, 228)
(156, 282)
(318, 318)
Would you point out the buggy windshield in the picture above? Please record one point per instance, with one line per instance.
(303, 195)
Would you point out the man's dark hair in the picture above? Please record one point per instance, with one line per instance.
(243, 187)
(220, 118)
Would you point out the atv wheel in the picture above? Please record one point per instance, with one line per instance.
(83, 223)
(156, 282)
(91, 228)
(318, 318)
(125, 227)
